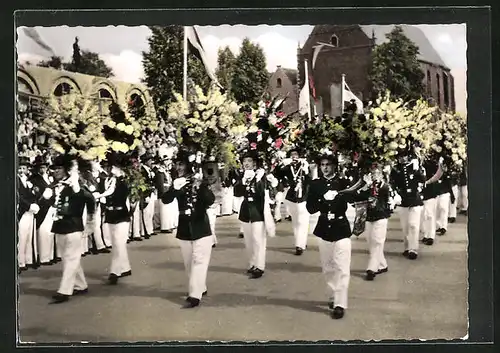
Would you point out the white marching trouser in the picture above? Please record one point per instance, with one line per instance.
(313, 222)
(336, 265)
(212, 218)
(119, 255)
(196, 256)
(285, 192)
(72, 276)
(443, 207)
(453, 206)
(149, 212)
(137, 227)
(227, 201)
(300, 222)
(237, 201)
(255, 243)
(428, 219)
(376, 233)
(85, 233)
(410, 218)
(463, 203)
(27, 243)
(46, 237)
(106, 233)
(169, 215)
(157, 215)
(280, 198)
(98, 234)
(351, 215)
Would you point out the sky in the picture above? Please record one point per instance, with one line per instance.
(121, 46)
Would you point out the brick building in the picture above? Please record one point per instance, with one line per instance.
(351, 55)
(282, 82)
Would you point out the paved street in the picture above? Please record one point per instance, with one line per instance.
(426, 298)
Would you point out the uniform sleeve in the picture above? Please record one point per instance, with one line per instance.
(206, 197)
(239, 188)
(89, 201)
(170, 195)
(315, 201)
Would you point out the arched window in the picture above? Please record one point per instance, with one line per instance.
(278, 83)
(105, 94)
(438, 82)
(136, 105)
(23, 86)
(334, 40)
(429, 82)
(62, 89)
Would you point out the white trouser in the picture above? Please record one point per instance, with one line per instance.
(26, 245)
(237, 201)
(46, 237)
(72, 276)
(149, 213)
(336, 264)
(463, 204)
(106, 234)
(428, 219)
(300, 222)
(443, 206)
(453, 206)
(227, 201)
(169, 215)
(351, 215)
(313, 222)
(288, 214)
(196, 256)
(410, 218)
(85, 233)
(255, 243)
(280, 197)
(212, 218)
(376, 233)
(119, 254)
(98, 234)
(157, 215)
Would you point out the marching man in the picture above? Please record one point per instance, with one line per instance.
(296, 178)
(193, 232)
(168, 210)
(433, 169)
(71, 201)
(445, 196)
(328, 196)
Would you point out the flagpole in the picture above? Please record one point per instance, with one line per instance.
(306, 74)
(342, 94)
(184, 84)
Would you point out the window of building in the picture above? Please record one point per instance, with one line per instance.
(105, 94)
(62, 89)
(446, 90)
(334, 40)
(278, 83)
(429, 82)
(438, 82)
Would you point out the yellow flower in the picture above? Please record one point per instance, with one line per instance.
(129, 129)
(112, 124)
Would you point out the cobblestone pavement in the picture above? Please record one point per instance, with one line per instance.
(426, 298)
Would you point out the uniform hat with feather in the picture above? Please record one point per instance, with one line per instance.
(40, 161)
(64, 161)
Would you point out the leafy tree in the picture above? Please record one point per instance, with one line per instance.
(395, 67)
(225, 67)
(163, 66)
(54, 62)
(250, 76)
(90, 64)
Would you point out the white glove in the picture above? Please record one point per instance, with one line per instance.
(414, 162)
(397, 199)
(287, 161)
(96, 195)
(272, 179)
(47, 193)
(260, 173)
(179, 183)
(34, 208)
(147, 199)
(330, 195)
(103, 200)
(198, 177)
(249, 174)
(92, 188)
(368, 179)
(305, 166)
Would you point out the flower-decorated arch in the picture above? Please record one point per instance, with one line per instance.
(27, 80)
(63, 83)
(104, 90)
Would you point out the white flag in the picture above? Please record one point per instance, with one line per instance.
(304, 100)
(348, 96)
(317, 49)
(197, 48)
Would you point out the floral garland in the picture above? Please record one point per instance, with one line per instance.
(452, 140)
(122, 131)
(75, 127)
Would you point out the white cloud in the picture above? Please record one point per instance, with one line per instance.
(211, 44)
(127, 66)
(279, 50)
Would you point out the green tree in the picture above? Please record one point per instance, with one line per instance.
(90, 64)
(250, 76)
(225, 67)
(395, 67)
(54, 62)
(163, 66)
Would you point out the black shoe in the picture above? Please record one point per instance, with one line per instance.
(125, 274)
(338, 313)
(240, 235)
(412, 255)
(331, 305)
(257, 273)
(298, 251)
(405, 253)
(277, 221)
(104, 251)
(137, 239)
(463, 212)
(370, 275)
(205, 293)
(429, 241)
(147, 237)
(192, 303)
(22, 269)
(424, 240)
(113, 279)
(289, 218)
(83, 255)
(452, 220)
(59, 298)
(46, 263)
(382, 270)
(80, 291)
(251, 269)
(129, 241)
(214, 245)
(441, 231)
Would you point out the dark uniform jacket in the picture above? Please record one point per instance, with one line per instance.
(25, 197)
(378, 206)
(444, 185)
(149, 177)
(163, 182)
(278, 173)
(288, 180)
(236, 177)
(463, 176)
(409, 184)
(70, 209)
(116, 209)
(430, 191)
(193, 205)
(332, 223)
(39, 186)
(252, 207)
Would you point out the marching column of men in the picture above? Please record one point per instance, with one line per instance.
(82, 207)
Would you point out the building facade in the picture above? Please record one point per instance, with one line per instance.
(283, 82)
(348, 51)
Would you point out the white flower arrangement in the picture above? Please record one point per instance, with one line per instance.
(452, 141)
